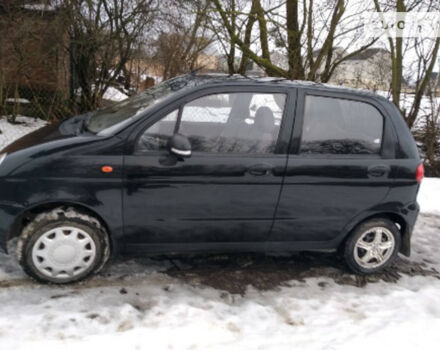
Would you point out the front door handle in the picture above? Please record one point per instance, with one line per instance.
(259, 169)
(378, 170)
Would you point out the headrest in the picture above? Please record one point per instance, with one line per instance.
(264, 120)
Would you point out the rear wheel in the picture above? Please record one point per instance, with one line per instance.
(372, 246)
(63, 246)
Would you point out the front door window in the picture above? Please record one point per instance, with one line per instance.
(222, 123)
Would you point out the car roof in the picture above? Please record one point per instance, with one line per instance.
(216, 78)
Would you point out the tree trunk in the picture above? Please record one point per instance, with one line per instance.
(296, 69)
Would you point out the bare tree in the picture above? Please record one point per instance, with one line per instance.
(306, 32)
(431, 135)
(183, 36)
(223, 39)
(427, 52)
(104, 35)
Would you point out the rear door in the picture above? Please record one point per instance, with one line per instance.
(227, 191)
(337, 168)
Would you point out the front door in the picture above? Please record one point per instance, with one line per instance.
(226, 191)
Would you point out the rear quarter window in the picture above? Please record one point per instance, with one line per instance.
(340, 126)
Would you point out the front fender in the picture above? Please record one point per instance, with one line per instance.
(100, 196)
(11, 220)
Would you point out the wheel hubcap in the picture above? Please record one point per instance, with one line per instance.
(63, 252)
(374, 248)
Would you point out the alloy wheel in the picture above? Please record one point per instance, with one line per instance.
(374, 247)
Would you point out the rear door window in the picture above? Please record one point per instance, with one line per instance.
(340, 126)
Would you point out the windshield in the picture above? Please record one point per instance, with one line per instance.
(133, 106)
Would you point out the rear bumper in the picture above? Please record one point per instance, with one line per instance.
(411, 213)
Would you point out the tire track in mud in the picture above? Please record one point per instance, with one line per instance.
(235, 273)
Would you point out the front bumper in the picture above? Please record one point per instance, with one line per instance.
(8, 214)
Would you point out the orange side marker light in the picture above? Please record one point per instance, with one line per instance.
(107, 169)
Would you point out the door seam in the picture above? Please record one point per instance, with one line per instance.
(285, 167)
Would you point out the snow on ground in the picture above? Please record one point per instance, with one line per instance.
(113, 94)
(429, 196)
(10, 132)
(243, 301)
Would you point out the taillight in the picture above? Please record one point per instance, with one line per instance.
(420, 173)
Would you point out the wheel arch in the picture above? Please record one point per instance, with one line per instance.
(397, 219)
(31, 212)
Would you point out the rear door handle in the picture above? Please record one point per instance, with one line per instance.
(378, 170)
(259, 169)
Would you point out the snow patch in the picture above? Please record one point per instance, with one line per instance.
(17, 100)
(114, 94)
(429, 195)
(11, 132)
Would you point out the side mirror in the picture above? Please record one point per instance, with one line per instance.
(180, 146)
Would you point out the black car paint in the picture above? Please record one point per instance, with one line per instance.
(214, 202)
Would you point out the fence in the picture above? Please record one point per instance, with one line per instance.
(34, 102)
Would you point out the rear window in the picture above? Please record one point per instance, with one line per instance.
(339, 126)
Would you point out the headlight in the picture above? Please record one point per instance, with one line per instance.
(2, 157)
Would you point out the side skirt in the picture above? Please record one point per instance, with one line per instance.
(216, 247)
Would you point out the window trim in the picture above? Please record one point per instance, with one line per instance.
(299, 121)
(283, 139)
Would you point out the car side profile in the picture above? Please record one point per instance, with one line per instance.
(213, 163)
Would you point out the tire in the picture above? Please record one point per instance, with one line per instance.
(62, 246)
(364, 253)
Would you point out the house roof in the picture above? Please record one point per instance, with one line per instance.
(42, 6)
(368, 53)
(338, 51)
(28, 5)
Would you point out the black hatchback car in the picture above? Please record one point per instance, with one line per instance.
(213, 163)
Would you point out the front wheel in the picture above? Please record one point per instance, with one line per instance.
(62, 246)
(372, 246)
